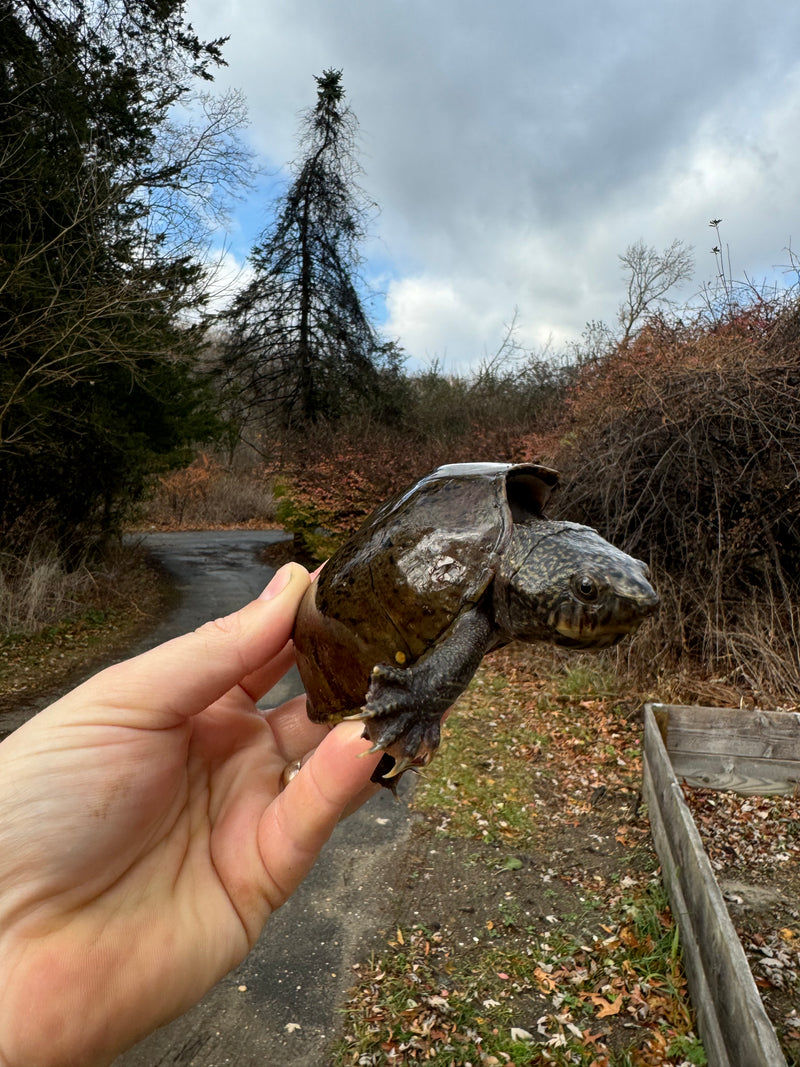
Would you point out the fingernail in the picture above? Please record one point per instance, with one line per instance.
(278, 582)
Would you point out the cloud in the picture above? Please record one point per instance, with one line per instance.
(516, 149)
(226, 275)
(433, 316)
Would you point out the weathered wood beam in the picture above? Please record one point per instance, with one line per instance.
(749, 752)
(731, 1018)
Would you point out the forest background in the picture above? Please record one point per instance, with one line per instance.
(130, 393)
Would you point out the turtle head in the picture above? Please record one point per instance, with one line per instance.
(564, 583)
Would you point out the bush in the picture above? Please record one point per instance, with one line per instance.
(344, 469)
(684, 448)
(314, 541)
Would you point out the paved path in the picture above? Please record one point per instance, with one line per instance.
(280, 1006)
(214, 572)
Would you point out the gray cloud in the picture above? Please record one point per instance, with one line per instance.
(516, 148)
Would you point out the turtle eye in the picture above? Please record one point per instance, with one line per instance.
(586, 589)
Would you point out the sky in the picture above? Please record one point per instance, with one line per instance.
(516, 148)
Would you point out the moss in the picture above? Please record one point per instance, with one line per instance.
(314, 541)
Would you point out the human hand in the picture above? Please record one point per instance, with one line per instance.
(146, 835)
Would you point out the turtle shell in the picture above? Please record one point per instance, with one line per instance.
(396, 587)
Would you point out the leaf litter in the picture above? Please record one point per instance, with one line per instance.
(530, 924)
(753, 844)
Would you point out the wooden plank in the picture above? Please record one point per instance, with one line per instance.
(731, 1018)
(760, 777)
(732, 729)
(750, 752)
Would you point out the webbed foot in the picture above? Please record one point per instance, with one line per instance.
(404, 705)
(399, 723)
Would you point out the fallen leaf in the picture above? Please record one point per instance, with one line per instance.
(518, 1034)
(513, 863)
(606, 1008)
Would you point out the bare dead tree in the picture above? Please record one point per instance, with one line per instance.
(650, 277)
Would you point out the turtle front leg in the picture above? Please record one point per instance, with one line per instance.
(404, 706)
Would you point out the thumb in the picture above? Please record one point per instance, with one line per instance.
(182, 677)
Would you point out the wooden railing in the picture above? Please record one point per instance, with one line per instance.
(722, 748)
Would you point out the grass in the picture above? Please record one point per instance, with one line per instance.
(476, 789)
(37, 590)
(586, 681)
(100, 611)
(506, 741)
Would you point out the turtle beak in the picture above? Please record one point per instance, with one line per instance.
(648, 600)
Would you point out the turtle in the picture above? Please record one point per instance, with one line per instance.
(460, 563)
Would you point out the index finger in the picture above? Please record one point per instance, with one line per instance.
(302, 817)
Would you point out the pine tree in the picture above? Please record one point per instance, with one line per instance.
(301, 344)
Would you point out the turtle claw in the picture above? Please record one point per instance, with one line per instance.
(386, 673)
(400, 765)
(377, 747)
(408, 741)
(360, 715)
(400, 720)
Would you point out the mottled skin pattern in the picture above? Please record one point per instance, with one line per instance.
(461, 563)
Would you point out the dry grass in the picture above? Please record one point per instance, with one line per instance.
(83, 617)
(37, 590)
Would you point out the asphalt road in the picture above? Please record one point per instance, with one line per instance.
(280, 1006)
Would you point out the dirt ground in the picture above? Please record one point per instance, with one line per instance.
(568, 882)
(564, 883)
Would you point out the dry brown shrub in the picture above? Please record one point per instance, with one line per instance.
(684, 448)
(347, 474)
(211, 493)
(336, 472)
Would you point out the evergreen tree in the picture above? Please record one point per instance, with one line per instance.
(99, 264)
(300, 343)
